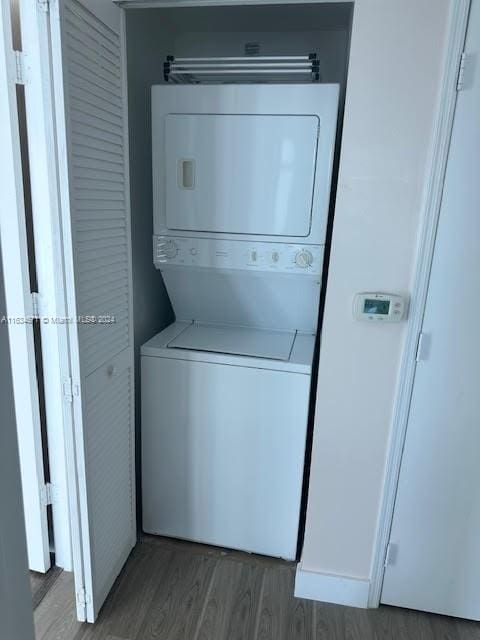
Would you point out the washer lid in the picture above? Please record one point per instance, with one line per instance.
(243, 341)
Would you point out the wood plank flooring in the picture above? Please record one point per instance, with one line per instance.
(41, 583)
(172, 590)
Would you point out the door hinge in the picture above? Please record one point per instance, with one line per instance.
(44, 5)
(82, 597)
(35, 304)
(19, 67)
(461, 72)
(422, 347)
(69, 389)
(390, 554)
(48, 494)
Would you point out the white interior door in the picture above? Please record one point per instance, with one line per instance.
(435, 543)
(19, 307)
(90, 92)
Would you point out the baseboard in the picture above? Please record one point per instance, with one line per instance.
(332, 588)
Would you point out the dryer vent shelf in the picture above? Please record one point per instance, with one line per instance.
(242, 69)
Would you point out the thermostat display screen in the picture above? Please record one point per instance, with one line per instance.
(376, 307)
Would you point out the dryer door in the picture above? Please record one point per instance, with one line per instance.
(245, 174)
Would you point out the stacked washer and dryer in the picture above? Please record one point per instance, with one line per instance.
(242, 179)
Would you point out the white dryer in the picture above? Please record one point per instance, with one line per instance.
(241, 182)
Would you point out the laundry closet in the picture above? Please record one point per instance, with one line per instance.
(196, 149)
(243, 115)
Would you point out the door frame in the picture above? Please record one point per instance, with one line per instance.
(432, 198)
(19, 306)
(49, 263)
(49, 272)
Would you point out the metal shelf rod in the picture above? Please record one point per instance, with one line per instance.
(265, 65)
(240, 71)
(198, 69)
(245, 58)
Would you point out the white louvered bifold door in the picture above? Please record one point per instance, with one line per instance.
(90, 94)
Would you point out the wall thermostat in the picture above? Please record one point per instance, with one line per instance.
(383, 307)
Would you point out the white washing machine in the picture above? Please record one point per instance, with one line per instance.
(223, 463)
(242, 184)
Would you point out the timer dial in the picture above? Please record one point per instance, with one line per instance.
(304, 259)
(169, 249)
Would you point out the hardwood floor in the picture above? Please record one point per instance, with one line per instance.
(172, 590)
(41, 584)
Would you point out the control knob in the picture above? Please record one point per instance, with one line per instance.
(169, 249)
(304, 258)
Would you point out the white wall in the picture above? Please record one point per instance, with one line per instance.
(392, 99)
(146, 49)
(152, 311)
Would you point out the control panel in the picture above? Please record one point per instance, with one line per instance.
(379, 307)
(237, 254)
